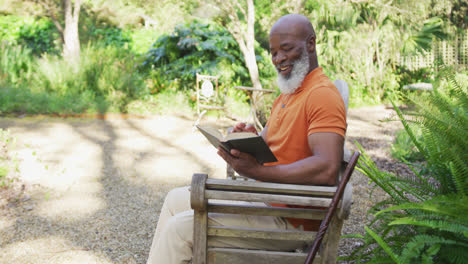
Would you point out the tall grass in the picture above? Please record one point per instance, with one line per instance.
(16, 64)
(105, 80)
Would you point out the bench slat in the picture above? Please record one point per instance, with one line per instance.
(232, 255)
(315, 214)
(267, 198)
(274, 234)
(268, 187)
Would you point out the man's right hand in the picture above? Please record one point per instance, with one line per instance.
(242, 127)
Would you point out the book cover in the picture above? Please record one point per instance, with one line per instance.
(244, 142)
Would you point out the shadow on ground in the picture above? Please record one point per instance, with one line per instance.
(104, 207)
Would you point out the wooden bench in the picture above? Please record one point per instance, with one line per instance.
(207, 195)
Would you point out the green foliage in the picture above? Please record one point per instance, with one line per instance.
(165, 102)
(192, 48)
(142, 39)
(39, 35)
(106, 80)
(403, 148)
(111, 36)
(425, 218)
(16, 64)
(105, 74)
(199, 48)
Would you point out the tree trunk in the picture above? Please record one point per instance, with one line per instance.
(248, 50)
(71, 44)
(246, 41)
(249, 55)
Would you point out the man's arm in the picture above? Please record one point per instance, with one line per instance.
(319, 169)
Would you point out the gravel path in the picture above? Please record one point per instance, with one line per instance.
(90, 190)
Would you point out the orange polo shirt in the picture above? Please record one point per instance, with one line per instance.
(314, 107)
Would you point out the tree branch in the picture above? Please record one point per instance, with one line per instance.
(241, 9)
(51, 11)
(250, 39)
(76, 10)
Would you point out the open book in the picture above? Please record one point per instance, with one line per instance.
(244, 141)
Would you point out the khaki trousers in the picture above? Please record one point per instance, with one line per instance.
(172, 241)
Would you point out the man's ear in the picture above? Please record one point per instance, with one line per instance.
(311, 44)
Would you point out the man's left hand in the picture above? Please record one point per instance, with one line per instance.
(243, 163)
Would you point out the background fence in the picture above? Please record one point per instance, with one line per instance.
(453, 52)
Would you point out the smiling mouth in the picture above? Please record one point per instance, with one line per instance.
(284, 69)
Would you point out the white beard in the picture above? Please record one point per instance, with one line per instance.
(298, 73)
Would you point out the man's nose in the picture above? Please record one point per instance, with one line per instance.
(279, 58)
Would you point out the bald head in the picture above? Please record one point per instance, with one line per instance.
(292, 48)
(294, 24)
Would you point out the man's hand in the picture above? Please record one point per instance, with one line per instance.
(242, 127)
(243, 163)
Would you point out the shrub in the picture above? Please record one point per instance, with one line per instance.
(39, 35)
(111, 36)
(425, 218)
(106, 80)
(16, 64)
(105, 75)
(201, 48)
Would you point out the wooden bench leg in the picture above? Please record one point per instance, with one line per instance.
(200, 218)
(330, 249)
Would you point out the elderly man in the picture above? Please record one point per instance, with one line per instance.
(305, 132)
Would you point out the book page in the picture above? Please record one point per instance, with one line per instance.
(238, 135)
(212, 131)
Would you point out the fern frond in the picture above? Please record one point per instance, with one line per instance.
(416, 245)
(459, 175)
(436, 225)
(408, 129)
(448, 205)
(368, 167)
(382, 243)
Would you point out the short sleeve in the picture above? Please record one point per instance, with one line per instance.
(326, 111)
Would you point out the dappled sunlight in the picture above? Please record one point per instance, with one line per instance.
(52, 249)
(175, 152)
(66, 166)
(72, 205)
(99, 184)
(57, 162)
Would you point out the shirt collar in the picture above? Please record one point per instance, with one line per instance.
(309, 78)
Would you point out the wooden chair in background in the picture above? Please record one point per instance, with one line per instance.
(209, 97)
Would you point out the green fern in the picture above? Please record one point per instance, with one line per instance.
(425, 218)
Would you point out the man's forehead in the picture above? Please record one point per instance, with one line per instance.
(291, 27)
(283, 38)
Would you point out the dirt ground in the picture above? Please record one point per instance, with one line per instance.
(90, 190)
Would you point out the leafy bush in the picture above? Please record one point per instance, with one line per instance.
(106, 80)
(39, 35)
(16, 64)
(142, 39)
(104, 74)
(425, 218)
(110, 36)
(200, 48)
